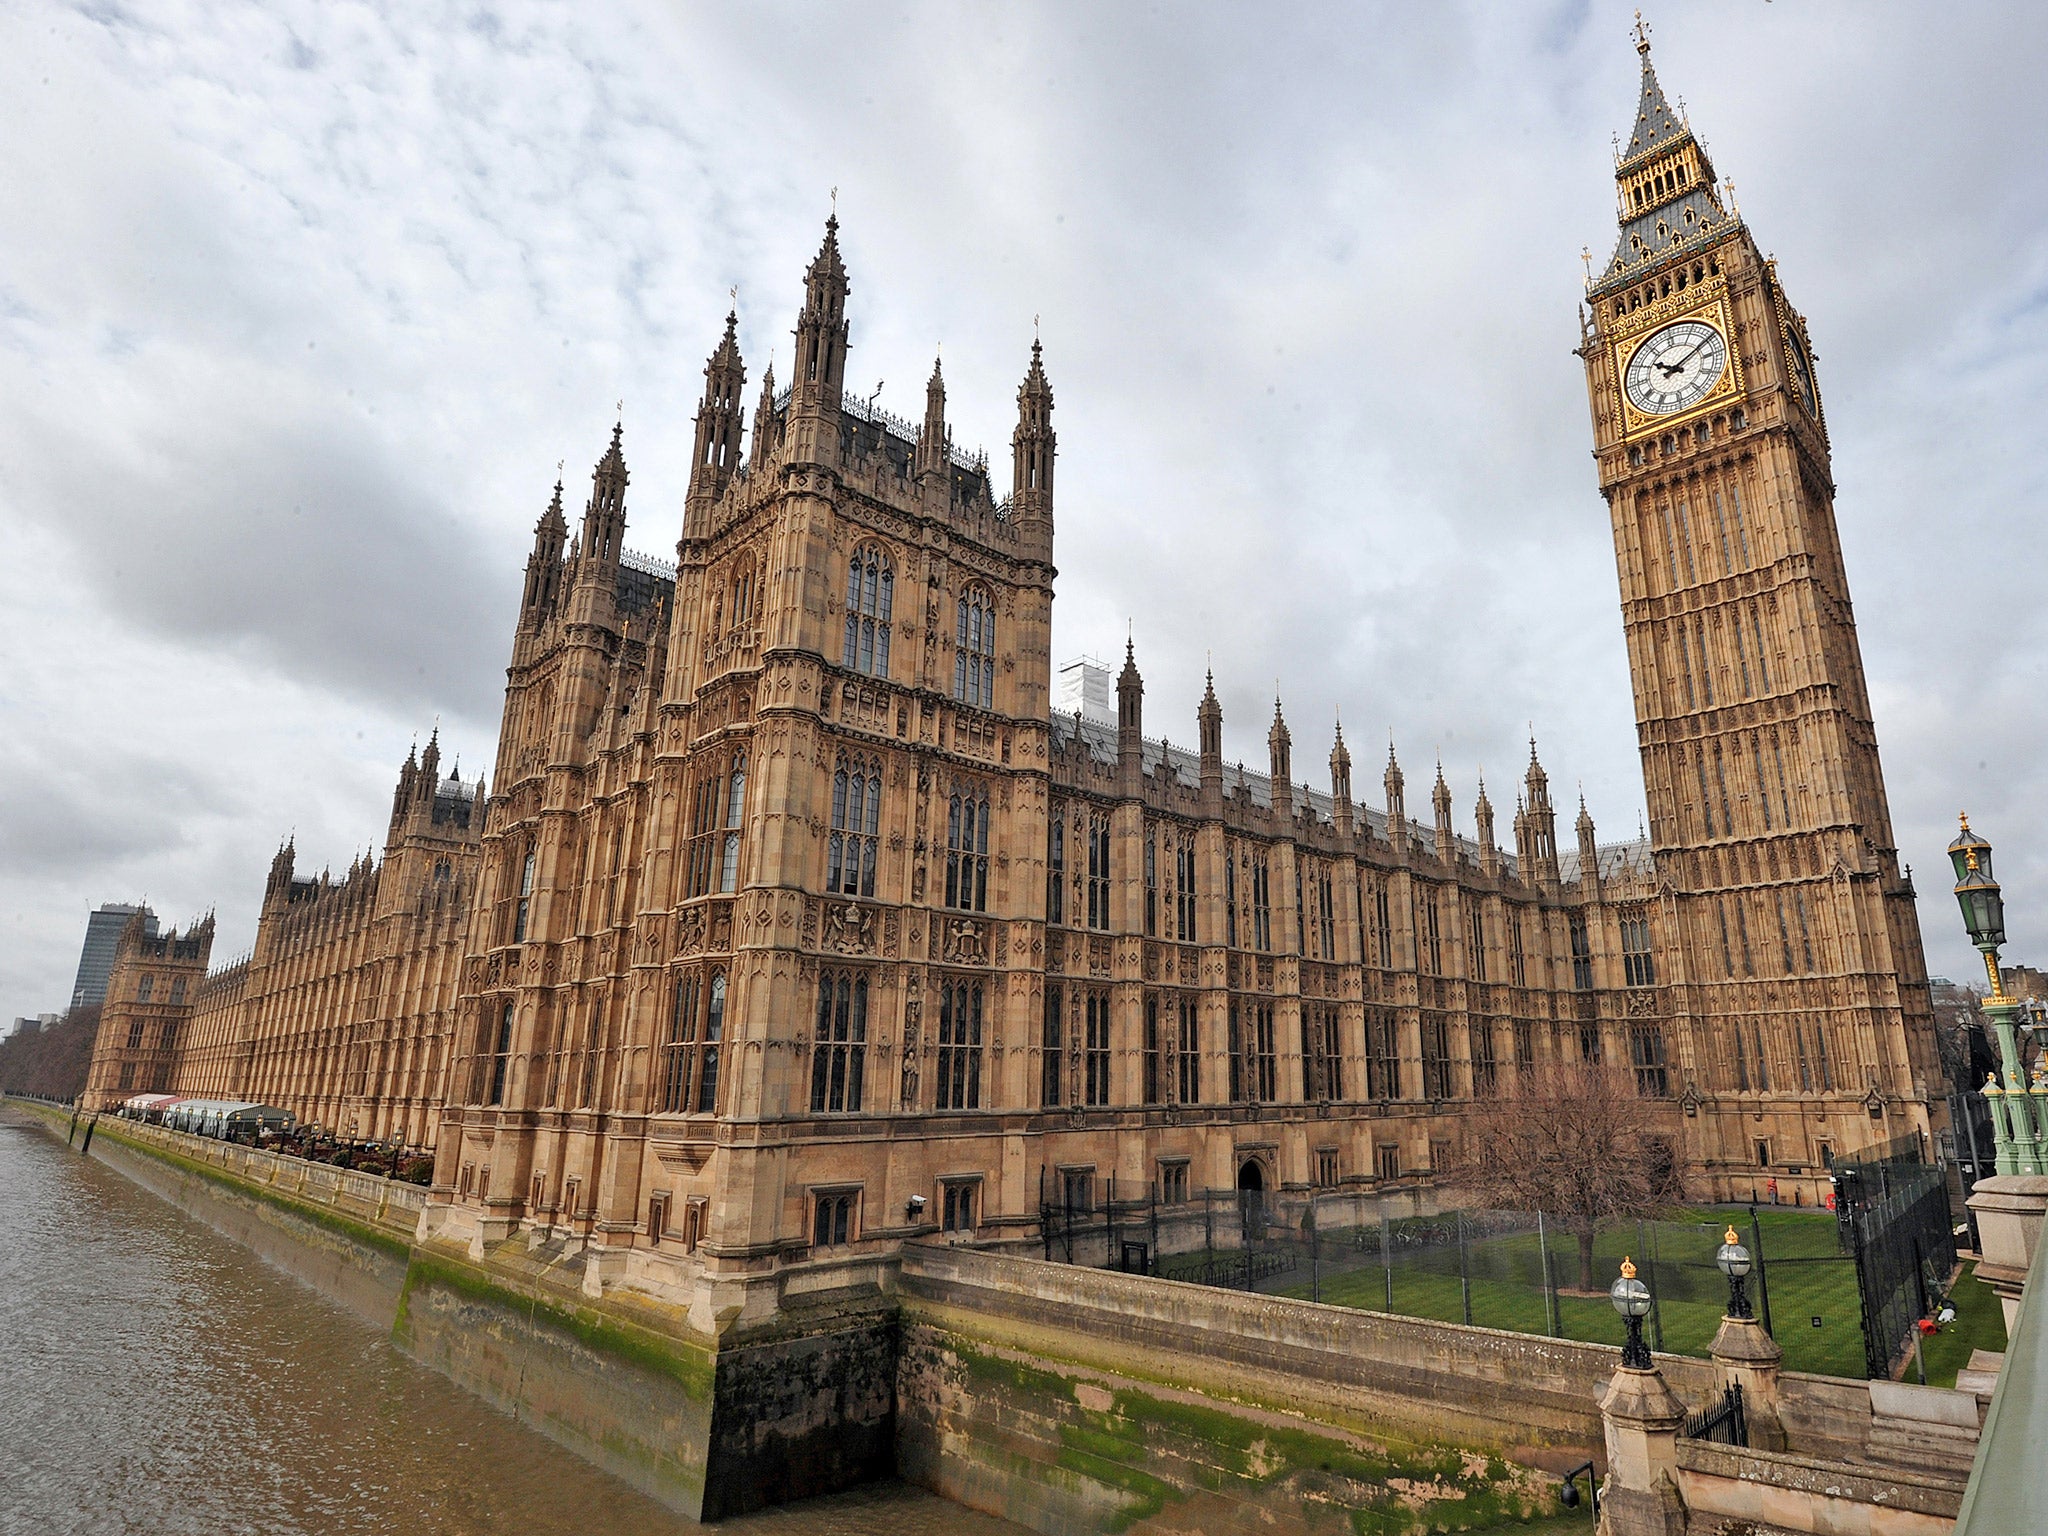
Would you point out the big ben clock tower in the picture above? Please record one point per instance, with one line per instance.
(1792, 962)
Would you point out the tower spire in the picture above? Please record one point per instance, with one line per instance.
(1209, 735)
(1397, 804)
(720, 420)
(764, 419)
(544, 565)
(1032, 449)
(604, 517)
(933, 440)
(1664, 183)
(1589, 848)
(1482, 818)
(1340, 783)
(1280, 751)
(821, 329)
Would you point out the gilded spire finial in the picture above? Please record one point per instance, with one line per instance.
(1734, 209)
(1642, 35)
(1964, 817)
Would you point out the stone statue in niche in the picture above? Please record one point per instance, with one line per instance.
(1074, 1052)
(907, 1098)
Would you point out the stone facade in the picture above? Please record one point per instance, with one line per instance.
(800, 924)
(1789, 930)
(341, 1011)
(150, 993)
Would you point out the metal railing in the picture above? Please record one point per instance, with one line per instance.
(1723, 1422)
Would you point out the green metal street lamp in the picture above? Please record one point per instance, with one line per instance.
(2019, 1118)
(1631, 1299)
(1978, 894)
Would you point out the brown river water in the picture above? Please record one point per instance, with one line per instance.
(157, 1379)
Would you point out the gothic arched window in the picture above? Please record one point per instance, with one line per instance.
(960, 1009)
(1098, 872)
(974, 655)
(870, 597)
(735, 813)
(856, 822)
(839, 1054)
(707, 1051)
(745, 594)
(1056, 871)
(967, 849)
(524, 910)
(718, 803)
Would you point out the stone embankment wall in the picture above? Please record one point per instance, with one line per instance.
(1082, 1400)
(1726, 1489)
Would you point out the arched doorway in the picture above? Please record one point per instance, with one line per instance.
(1251, 1200)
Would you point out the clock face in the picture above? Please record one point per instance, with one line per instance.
(1802, 374)
(1675, 368)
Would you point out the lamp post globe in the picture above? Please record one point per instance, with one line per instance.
(1977, 889)
(1735, 1264)
(1631, 1299)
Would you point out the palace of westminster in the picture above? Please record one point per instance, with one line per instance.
(798, 921)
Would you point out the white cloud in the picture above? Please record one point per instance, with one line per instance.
(300, 304)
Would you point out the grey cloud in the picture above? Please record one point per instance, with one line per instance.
(290, 534)
(1307, 282)
(88, 812)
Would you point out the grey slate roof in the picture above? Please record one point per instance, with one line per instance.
(1696, 218)
(1616, 860)
(1657, 126)
(643, 580)
(1660, 232)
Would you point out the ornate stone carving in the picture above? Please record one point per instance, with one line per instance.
(966, 941)
(690, 932)
(849, 928)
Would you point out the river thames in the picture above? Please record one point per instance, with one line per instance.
(156, 1378)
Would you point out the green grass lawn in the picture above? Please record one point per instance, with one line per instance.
(1808, 1279)
(1979, 1324)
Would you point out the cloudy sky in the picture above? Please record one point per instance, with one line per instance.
(300, 305)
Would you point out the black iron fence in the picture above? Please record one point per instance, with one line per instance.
(1894, 1215)
(1721, 1421)
(1841, 1294)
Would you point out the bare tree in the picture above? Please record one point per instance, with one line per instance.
(1576, 1142)
(51, 1062)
